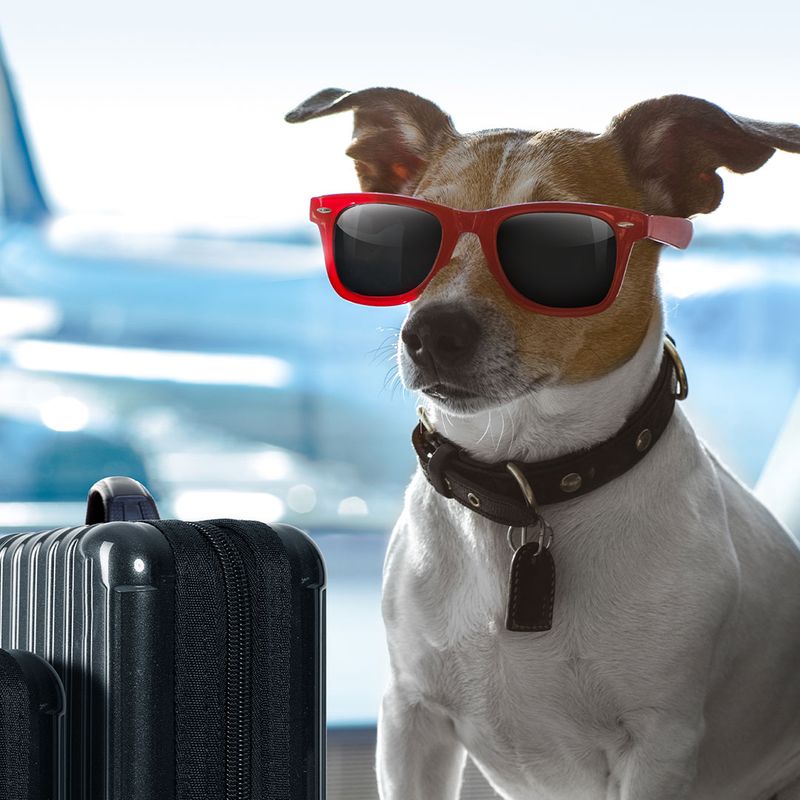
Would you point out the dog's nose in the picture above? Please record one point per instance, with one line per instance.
(444, 335)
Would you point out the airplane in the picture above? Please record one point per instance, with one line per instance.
(156, 352)
(139, 340)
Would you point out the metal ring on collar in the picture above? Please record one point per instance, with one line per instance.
(543, 527)
(680, 370)
(425, 419)
(527, 491)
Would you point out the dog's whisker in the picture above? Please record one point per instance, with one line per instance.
(392, 370)
(502, 429)
(488, 426)
(392, 374)
(513, 427)
(447, 420)
(396, 384)
(386, 349)
(387, 341)
(388, 354)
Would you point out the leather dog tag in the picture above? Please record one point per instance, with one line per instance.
(531, 590)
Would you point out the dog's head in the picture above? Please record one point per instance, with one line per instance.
(464, 341)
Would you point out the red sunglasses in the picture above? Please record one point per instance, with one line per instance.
(564, 259)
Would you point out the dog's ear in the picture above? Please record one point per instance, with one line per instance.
(394, 137)
(673, 146)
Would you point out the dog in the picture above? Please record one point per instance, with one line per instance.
(671, 669)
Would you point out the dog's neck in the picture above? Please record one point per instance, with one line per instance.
(560, 419)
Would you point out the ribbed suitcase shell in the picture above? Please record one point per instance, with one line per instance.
(98, 603)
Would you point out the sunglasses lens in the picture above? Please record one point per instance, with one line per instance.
(382, 250)
(558, 260)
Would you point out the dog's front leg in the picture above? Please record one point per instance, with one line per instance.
(661, 758)
(419, 756)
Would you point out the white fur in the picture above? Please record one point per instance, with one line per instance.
(672, 671)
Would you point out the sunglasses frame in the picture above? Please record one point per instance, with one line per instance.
(629, 227)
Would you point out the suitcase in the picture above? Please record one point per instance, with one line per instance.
(191, 653)
(31, 701)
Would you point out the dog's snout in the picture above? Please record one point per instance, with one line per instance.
(442, 335)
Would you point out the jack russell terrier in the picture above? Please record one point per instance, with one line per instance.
(577, 593)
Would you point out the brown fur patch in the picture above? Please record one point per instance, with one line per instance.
(492, 169)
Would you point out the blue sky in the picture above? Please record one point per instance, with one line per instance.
(172, 112)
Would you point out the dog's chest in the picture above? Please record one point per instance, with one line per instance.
(526, 716)
(516, 699)
(539, 718)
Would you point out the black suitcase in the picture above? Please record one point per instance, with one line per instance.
(31, 701)
(191, 653)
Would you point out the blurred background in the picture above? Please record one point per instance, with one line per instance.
(163, 307)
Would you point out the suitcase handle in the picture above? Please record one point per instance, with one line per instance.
(119, 499)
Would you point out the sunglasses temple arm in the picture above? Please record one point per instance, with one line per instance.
(674, 231)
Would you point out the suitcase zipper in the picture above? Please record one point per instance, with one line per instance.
(238, 679)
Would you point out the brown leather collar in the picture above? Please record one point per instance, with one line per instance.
(493, 491)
